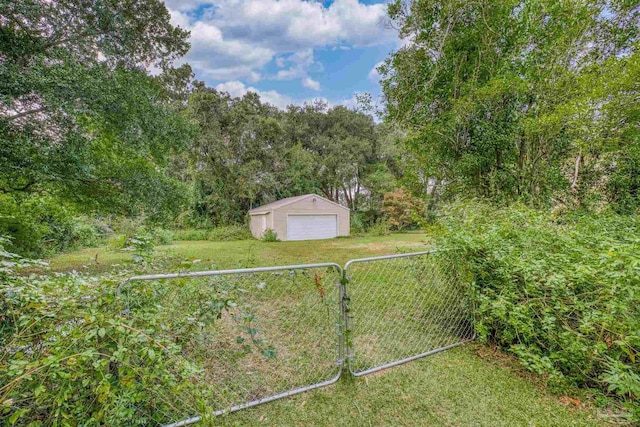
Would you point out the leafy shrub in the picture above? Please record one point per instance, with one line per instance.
(363, 221)
(117, 241)
(270, 236)
(380, 228)
(162, 236)
(142, 246)
(230, 232)
(624, 181)
(38, 225)
(127, 226)
(85, 361)
(402, 209)
(89, 233)
(130, 226)
(357, 225)
(71, 349)
(157, 236)
(43, 225)
(66, 352)
(561, 293)
(190, 234)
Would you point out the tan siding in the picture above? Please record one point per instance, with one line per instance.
(309, 206)
(255, 224)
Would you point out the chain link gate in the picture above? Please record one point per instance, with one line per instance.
(403, 307)
(250, 336)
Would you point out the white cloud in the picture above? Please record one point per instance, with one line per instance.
(179, 19)
(238, 89)
(275, 98)
(374, 75)
(300, 63)
(291, 25)
(233, 88)
(235, 39)
(310, 83)
(186, 4)
(220, 59)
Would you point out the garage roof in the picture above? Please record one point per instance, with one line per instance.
(283, 202)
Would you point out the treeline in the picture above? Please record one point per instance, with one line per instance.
(247, 153)
(84, 127)
(88, 134)
(509, 101)
(536, 101)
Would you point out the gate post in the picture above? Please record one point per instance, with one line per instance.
(346, 342)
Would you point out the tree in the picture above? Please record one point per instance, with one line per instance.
(79, 115)
(237, 158)
(402, 209)
(343, 141)
(248, 153)
(508, 100)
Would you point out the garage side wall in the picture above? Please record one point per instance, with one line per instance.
(308, 206)
(256, 224)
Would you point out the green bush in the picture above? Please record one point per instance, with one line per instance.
(270, 236)
(74, 351)
(89, 233)
(67, 352)
(117, 241)
(624, 181)
(162, 236)
(358, 225)
(559, 292)
(43, 225)
(158, 236)
(403, 210)
(142, 246)
(128, 226)
(230, 232)
(190, 234)
(380, 228)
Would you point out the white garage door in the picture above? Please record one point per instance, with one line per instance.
(312, 227)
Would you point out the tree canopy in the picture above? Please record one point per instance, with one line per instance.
(80, 116)
(530, 100)
(248, 153)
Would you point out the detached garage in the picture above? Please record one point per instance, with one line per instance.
(308, 217)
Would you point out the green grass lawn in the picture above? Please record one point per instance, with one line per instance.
(451, 388)
(245, 253)
(464, 386)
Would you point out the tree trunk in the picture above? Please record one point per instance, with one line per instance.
(433, 198)
(576, 172)
(347, 196)
(327, 193)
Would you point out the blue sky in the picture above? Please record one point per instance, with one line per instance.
(288, 51)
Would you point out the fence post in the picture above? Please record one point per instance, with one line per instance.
(346, 342)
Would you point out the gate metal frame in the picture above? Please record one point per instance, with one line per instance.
(350, 348)
(345, 346)
(340, 360)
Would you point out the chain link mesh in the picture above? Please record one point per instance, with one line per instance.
(239, 338)
(242, 337)
(401, 307)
